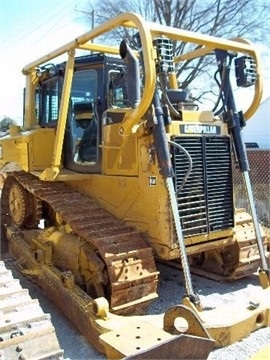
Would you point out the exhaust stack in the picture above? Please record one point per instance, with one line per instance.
(133, 73)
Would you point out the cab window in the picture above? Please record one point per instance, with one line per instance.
(117, 89)
(84, 123)
(48, 110)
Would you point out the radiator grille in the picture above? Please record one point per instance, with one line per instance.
(205, 203)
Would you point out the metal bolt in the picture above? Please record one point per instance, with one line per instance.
(19, 348)
(254, 304)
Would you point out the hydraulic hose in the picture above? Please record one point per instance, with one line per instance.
(234, 120)
(160, 140)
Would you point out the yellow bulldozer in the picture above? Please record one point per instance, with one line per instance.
(116, 167)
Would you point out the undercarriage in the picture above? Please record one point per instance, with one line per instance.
(76, 251)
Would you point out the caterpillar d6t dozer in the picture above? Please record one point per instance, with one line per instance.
(115, 167)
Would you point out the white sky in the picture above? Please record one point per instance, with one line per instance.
(30, 29)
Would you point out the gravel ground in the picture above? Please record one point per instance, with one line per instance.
(171, 290)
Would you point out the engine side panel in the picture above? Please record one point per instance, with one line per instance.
(31, 150)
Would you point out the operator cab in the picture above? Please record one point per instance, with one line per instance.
(98, 84)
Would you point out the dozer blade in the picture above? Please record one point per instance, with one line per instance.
(180, 347)
(178, 334)
(231, 323)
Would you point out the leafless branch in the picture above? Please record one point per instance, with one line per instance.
(224, 18)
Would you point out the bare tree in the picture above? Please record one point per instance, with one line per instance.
(222, 18)
(213, 17)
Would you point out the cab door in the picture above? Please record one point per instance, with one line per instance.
(82, 138)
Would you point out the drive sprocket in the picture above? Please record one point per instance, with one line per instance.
(18, 206)
(17, 201)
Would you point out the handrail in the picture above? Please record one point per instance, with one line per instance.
(147, 31)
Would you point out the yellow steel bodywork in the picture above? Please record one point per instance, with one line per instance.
(31, 150)
(134, 190)
(124, 186)
(63, 110)
(127, 198)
